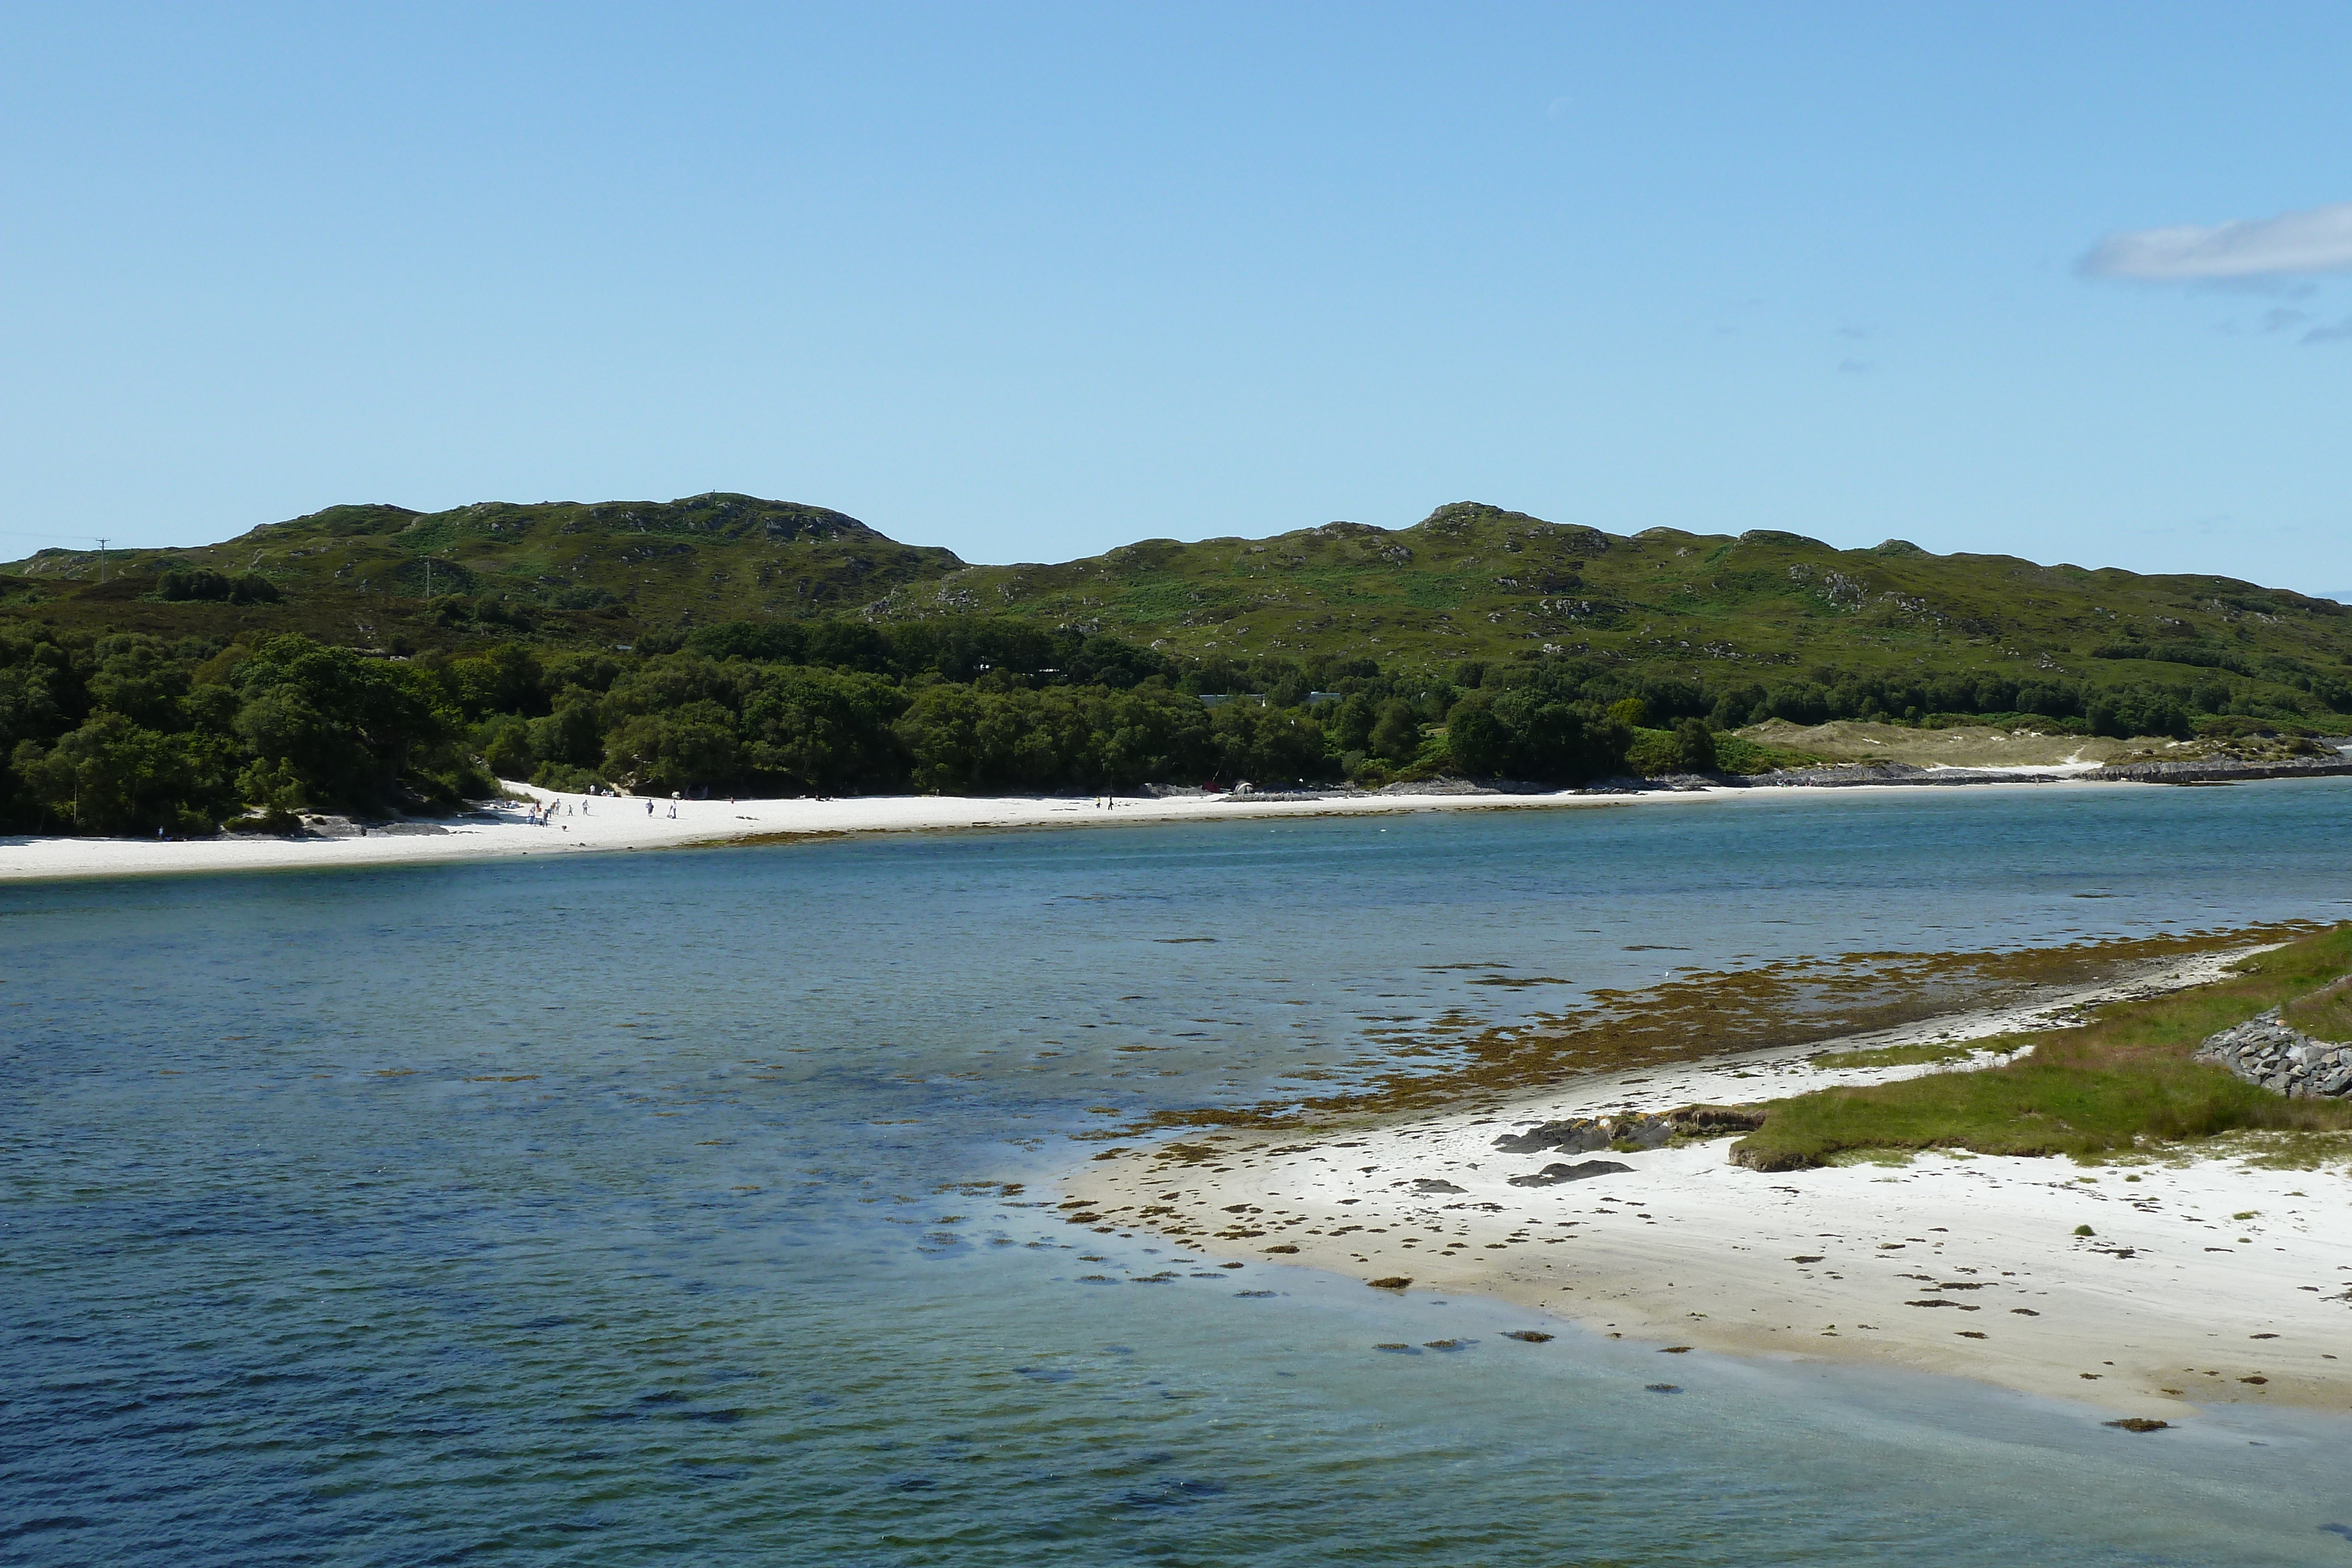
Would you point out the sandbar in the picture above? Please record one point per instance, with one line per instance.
(2202, 1280)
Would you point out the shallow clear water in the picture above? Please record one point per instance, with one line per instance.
(607, 1210)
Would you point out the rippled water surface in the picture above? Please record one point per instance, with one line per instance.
(650, 1207)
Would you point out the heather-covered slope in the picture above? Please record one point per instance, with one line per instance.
(1475, 581)
(706, 558)
(1470, 583)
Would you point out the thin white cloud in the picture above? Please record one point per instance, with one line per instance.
(2291, 245)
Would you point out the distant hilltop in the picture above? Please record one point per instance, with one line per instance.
(1468, 582)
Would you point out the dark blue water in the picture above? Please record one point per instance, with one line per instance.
(653, 1208)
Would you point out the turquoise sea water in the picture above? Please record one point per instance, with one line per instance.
(647, 1207)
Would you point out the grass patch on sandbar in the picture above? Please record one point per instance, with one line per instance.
(1905, 1055)
(2290, 1151)
(2120, 1081)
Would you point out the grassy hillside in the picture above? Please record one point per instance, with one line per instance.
(1474, 581)
(1468, 583)
(365, 575)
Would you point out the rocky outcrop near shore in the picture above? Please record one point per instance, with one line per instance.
(1852, 773)
(2222, 771)
(2265, 1051)
(2206, 770)
(1630, 1130)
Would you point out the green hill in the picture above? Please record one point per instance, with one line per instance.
(372, 658)
(1469, 583)
(1474, 581)
(360, 574)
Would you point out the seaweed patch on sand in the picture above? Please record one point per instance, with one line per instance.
(1695, 1016)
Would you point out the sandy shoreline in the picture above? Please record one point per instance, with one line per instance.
(616, 824)
(1960, 1265)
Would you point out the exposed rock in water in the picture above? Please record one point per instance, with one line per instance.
(2138, 1424)
(2221, 770)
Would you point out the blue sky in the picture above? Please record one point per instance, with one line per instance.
(1031, 281)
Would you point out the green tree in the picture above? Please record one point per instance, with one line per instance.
(507, 749)
(1397, 736)
(1481, 743)
(1352, 727)
(691, 746)
(824, 732)
(112, 776)
(1156, 737)
(503, 679)
(349, 727)
(1695, 746)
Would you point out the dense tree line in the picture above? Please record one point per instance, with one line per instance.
(132, 734)
(129, 733)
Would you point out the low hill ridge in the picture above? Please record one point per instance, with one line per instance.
(1470, 581)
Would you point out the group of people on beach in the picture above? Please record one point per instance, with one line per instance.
(539, 813)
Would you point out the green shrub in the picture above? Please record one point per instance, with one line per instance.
(1695, 747)
(1653, 752)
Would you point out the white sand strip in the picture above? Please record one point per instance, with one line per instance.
(1953, 1264)
(604, 822)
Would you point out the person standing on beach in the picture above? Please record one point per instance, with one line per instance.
(649, 805)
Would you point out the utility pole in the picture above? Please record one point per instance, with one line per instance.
(101, 561)
(428, 578)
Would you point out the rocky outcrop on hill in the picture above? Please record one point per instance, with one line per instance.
(2264, 1050)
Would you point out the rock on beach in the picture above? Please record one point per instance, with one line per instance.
(2263, 1051)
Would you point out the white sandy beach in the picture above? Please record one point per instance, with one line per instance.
(2202, 1281)
(588, 823)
